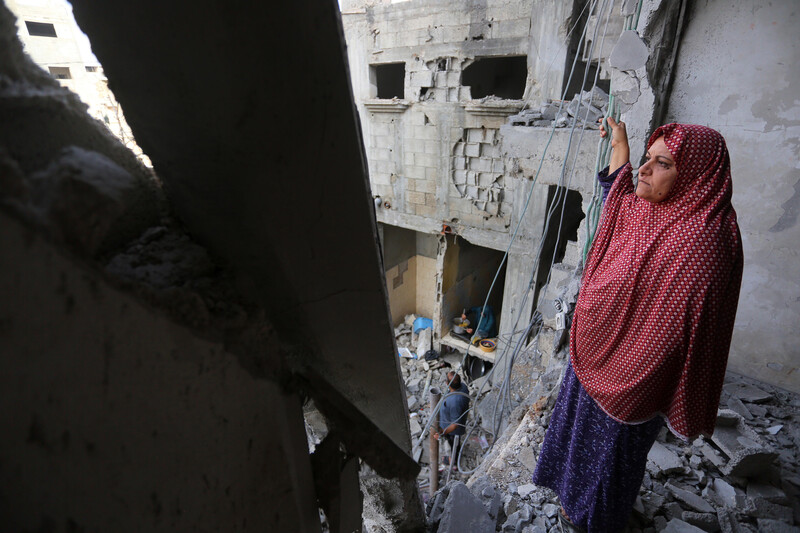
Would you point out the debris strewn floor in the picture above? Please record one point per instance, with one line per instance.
(744, 479)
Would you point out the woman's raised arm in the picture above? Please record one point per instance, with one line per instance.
(620, 150)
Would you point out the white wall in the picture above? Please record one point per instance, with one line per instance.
(737, 72)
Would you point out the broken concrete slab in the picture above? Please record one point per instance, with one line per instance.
(525, 490)
(689, 498)
(747, 393)
(705, 521)
(661, 460)
(736, 405)
(766, 525)
(767, 492)
(728, 521)
(748, 454)
(463, 512)
(630, 52)
(677, 525)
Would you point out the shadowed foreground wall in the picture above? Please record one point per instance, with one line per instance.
(116, 419)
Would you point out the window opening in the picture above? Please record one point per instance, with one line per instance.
(60, 73)
(91, 69)
(503, 77)
(389, 80)
(40, 29)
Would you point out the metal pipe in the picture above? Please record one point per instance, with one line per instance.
(434, 442)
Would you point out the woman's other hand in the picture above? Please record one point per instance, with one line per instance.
(620, 149)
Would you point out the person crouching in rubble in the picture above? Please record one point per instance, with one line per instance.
(652, 327)
(453, 416)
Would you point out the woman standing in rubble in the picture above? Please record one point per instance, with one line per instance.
(653, 323)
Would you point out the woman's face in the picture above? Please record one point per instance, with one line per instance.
(658, 174)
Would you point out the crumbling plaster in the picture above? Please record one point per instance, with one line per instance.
(751, 98)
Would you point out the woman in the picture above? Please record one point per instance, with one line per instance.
(652, 325)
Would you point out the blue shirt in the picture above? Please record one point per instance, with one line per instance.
(606, 180)
(487, 324)
(454, 411)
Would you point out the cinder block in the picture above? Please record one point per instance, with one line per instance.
(472, 150)
(426, 186)
(453, 79)
(458, 148)
(472, 178)
(440, 78)
(432, 147)
(455, 34)
(459, 163)
(475, 135)
(432, 174)
(425, 210)
(480, 164)
(415, 172)
(486, 179)
(430, 199)
(490, 150)
(498, 165)
(452, 94)
(415, 197)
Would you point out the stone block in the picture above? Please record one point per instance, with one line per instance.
(630, 52)
(480, 164)
(748, 454)
(662, 461)
(463, 512)
(587, 113)
(597, 97)
(728, 521)
(421, 78)
(762, 508)
(767, 492)
(475, 135)
(677, 525)
(689, 498)
(736, 405)
(472, 149)
(705, 521)
(766, 525)
(747, 393)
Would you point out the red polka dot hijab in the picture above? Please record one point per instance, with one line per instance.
(654, 317)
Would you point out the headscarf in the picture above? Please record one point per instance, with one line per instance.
(654, 318)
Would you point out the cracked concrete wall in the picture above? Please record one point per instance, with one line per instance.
(751, 98)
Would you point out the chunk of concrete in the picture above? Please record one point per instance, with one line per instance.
(724, 494)
(661, 460)
(630, 52)
(736, 405)
(597, 97)
(91, 203)
(766, 525)
(767, 492)
(705, 521)
(747, 393)
(525, 490)
(762, 508)
(585, 112)
(748, 454)
(689, 498)
(464, 512)
(728, 521)
(677, 525)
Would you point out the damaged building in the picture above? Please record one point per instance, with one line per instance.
(210, 343)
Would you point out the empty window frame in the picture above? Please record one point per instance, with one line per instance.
(40, 29)
(389, 80)
(60, 73)
(91, 69)
(503, 77)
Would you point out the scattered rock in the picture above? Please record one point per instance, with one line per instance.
(463, 512)
(679, 526)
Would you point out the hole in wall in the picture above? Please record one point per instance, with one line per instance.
(389, 80)
(503, 77)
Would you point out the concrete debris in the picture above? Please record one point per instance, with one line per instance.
(662, 460)
(89, 202)
(585, 108)
(679, 526)
(686, 486)
(766, 525)
(463, 512)
(747, 393)
(748, 454)
(630, 52)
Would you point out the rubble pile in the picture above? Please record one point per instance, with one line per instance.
(585, 109)
(743, 479)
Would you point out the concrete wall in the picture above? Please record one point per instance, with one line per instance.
(116, 419)
(750, 96)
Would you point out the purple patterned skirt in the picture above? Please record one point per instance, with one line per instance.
(594, 463)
